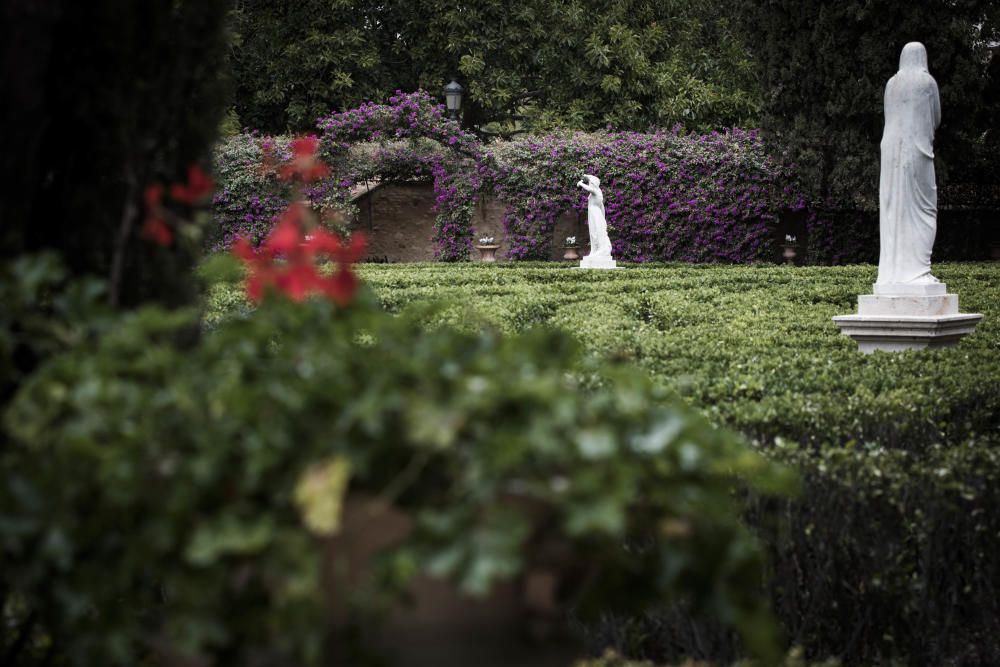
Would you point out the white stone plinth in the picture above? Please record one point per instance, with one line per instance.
(907, 317)
(598, 263)
(896, 333)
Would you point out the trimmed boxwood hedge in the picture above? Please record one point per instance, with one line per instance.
(890, 551)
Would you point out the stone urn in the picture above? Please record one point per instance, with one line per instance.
(570, 252)
(789, 251)
(487, 253)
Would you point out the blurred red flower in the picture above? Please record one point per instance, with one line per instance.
(305, 164)
(157, 231)
(286, 262)
(199, 187)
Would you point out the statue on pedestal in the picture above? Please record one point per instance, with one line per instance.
(909, 309)
(907, 191)
(600, 244)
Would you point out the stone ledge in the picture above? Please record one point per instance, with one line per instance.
(895, 333)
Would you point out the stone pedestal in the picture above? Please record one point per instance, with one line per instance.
(598, 263)
(907, 317)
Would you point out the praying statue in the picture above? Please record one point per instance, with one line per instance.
(600, 244)
(907, 192)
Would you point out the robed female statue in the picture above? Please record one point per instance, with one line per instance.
(597, 225)
(907, 192)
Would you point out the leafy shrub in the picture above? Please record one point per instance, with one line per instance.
(752, 347)
(168, 492)
(889, 550)
(249, 197)
(890, 553)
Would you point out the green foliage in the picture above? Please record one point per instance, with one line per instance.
(894, 547)
(613, 659)
(889, 551)
(632, 64)
(823, 67)
(293, 61)
(43, 313)
(168, 490)
(101, 98)
(576, 63)
(753, 347)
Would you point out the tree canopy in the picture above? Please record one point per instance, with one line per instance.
(823, 66)
(582, 64)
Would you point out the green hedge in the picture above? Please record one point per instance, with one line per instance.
(169, 494)
(891, 549)
(752, 347)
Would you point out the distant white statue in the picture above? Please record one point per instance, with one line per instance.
(907, 192)
(600, 244)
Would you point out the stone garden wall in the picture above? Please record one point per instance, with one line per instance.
(399, 221)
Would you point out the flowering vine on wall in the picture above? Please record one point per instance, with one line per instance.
(669, 196)
(431, 143)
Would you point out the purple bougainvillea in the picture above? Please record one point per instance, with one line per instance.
(669, 196)
(417, 140)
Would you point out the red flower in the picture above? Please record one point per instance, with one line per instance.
(354, 252)
(298, 280)
(304, 165)
(323, 242)
(305, 147)
(286, 237)
(197, 189)
(297, 276)
(255, 286)
(244, 250)
(157, 231)
(152, 196)
(341, 286)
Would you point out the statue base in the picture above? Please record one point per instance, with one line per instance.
(907, 317)
(589, 262)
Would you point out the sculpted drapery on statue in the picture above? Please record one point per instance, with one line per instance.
(597, 225)
(910, 309)
(907, 191)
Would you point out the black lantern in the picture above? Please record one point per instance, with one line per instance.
(453, 97)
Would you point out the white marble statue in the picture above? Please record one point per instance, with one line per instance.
(907, 192)
(600, 244)
(909, 308)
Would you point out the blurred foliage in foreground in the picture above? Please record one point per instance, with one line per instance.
(167, 492)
